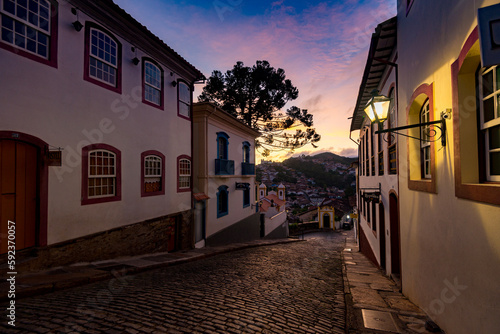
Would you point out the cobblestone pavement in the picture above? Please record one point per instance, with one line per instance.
(291, 288)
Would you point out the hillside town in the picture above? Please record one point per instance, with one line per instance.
(305, 192)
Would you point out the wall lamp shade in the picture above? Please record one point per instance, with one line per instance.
(377, 108)
(78, 25)
(135, 60)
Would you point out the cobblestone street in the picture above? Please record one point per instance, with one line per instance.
(290, 288)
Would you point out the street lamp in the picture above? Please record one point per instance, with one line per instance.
(377, 108)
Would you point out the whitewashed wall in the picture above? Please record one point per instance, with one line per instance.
(59, 107)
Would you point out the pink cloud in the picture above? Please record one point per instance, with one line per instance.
(322, 49)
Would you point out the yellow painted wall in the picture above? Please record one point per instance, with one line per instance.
(450, 247)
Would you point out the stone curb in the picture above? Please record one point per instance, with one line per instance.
(81, 278)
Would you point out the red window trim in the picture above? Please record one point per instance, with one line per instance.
(162, 90)
(85, 180)
(52, 61)
(86, 75)
(162, 157)
(178, 100)
(426, 185)
(179, 189)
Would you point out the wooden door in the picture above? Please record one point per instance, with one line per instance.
(381, 232)
(18, 192)
(395, 242)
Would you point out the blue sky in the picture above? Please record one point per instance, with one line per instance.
(321, 45)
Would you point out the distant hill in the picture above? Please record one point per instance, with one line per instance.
(328, 156)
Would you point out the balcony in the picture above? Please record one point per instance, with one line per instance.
(247, 168)
(224, 167)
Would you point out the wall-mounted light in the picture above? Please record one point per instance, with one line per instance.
(377, 107)
(135, 60)
(174, 83)
(377, 110)
(77, 24)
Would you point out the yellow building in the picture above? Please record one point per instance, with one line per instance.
(447, 95)
(326, 215)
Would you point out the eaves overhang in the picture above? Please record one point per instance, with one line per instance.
(382, 46)
(120, 22)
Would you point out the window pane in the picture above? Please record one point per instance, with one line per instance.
(495, 163)
(498, 106)
(498, 78)
(494, 134)
(488, 83)
(9, 6)
(184, 93)
(489, 109)
(183, 109)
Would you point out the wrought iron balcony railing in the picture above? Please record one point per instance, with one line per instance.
(224, 167)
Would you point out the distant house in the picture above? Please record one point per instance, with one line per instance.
(326, 214)
(272, 207)
(224, 182)
(95, 133)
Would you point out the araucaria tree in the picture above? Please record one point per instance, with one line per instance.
(255, 95)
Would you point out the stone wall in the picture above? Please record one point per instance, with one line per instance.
(154, 235)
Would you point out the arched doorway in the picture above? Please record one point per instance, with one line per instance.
(395, 242)
(326, 221)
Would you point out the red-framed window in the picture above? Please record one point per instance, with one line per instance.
(152, 173)
(184, 171)
(103, 63)
(101, 174)
(29, 29)
(184, 98)
(152, 83)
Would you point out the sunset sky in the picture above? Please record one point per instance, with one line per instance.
(321, 45)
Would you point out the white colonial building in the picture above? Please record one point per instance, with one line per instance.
(95, 137)
(378, 219)
(224, 177)
(447, 66)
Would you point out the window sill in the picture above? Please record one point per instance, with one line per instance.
(220, 215)
(154, 105)
(87, 201)
(424, 185)
(481, 192)
(155, 193)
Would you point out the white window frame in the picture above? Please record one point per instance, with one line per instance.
(93, 55)
(182, 102)
(152, 81)
(27, 24)
(486, 126)
(154, 169)
(184, 177)
(102, 176)
(425, 144)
